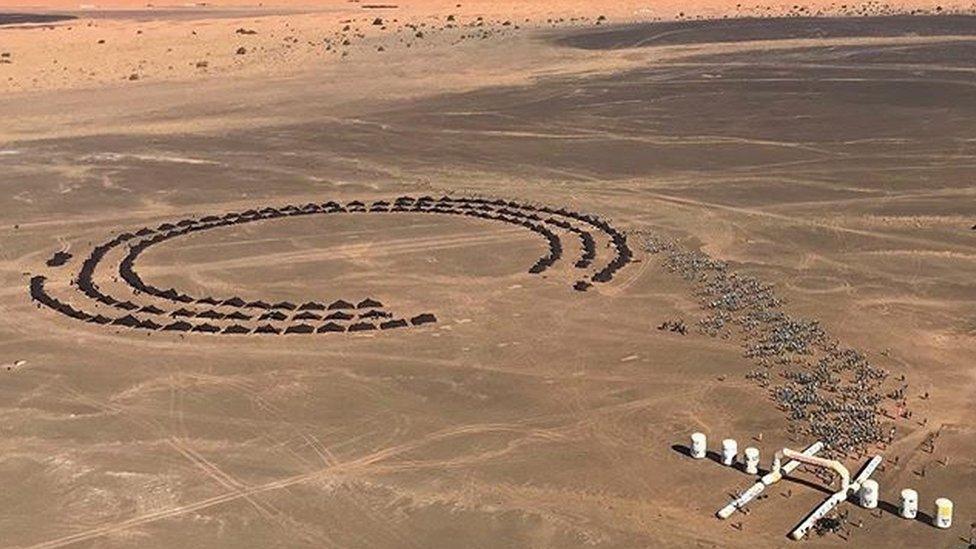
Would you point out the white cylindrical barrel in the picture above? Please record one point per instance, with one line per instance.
(699, 445)
(869, 494)
(909, 503)
(943, 513)
(730, 451)
(752, 460)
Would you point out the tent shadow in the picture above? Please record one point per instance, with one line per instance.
(893, 509)
(714, 456)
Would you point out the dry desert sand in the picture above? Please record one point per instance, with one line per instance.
(469, 274)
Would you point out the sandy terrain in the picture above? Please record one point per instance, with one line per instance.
(832, 158)
(124, 42)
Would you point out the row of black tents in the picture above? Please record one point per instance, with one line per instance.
(128, 274)
(510, 212)
(587, 242)
(238, 329)
(39, 294)
(623, 257)
(511, 208)
(496, 209)
(371, 314)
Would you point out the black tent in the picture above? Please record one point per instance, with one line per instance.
(330, 327)
(206, 328)
(166, 227)
(258, 305)
(237, 315)
(178, 326)
(99, 319)
(145, 231)
(340, 304)
(108, 300)
(234, 302)
(307, 316)
(149, 325)
(209, 313)
(236, 329)
(390, 324)
(62, 308)
(300, 329)
(58, 259)
(374, 314)
(368, 303)
(581, 286)
(127, 320)
(208, 301)
(339, 315)
(81, 315)
(267, 329)
(182, 312)
(362, 327)
(424, 318)
(184, 299)
(273, 315)
(152, 309)
(311, 306)
(170, 294)
(284, 305)
(71, 312)
(127, 305)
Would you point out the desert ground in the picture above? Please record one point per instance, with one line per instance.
(413, 275)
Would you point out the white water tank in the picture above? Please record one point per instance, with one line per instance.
(752, 460)
(909, 503)
(699, 445)
(869, 494)
(943, 513)
(730, 451)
